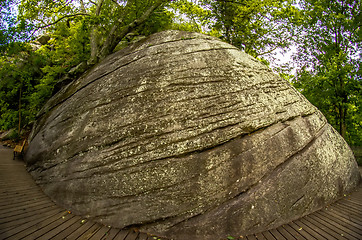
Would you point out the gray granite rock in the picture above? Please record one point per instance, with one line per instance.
(184, 136)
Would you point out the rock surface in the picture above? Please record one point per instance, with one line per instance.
(185, 136)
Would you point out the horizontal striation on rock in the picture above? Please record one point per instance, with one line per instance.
(173, 128)
(184, 104)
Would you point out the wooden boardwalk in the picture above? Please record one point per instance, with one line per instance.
(26, 213)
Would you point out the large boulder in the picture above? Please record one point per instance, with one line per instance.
(185, 136)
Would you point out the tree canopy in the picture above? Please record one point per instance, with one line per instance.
(44, 44)
(329, 62)
(107, 21)
(257, 27)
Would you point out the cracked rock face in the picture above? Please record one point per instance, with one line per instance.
(186, 137)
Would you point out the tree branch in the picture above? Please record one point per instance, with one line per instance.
(117, 3)
(82, 6)
(49, 8)
(60, 19)
(99, 7)
(234, 1)
(117, 33)
(267, 52)
(94, 37)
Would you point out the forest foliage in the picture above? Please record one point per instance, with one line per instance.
(46, 43)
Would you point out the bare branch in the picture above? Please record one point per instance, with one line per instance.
(49, 8)
(267, 52)
(60, 19)
(233, 1)
(82, 6)
(115, 1)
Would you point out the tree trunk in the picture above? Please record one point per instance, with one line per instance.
(343, 106)
(118, 31)
(94, 38)
(19, 127)
(342, 121)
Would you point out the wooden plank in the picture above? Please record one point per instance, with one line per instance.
(20, 199)
(355, 201)
(352, 201)
(350, 206)
(17, 185)
(85, 226)
(69, 229)
(24, 208)
(19, 178)
(121, 235)
(17, 198)
(285, 233)
(18, 228)
(25, 212)
(4, 230)
(293, 232)
(299, 232)
(15, 195)
(268, 235)
(20, 188)
(90, 232)
(47, 226)
(277, 235)
(101, 233)
(16, 189)
(59, 228)
(341, 230)
(132, 235)
(251, 237)
(142, 236)
(319, 226)
(111, 234)
(4, 180)
(43, 214)
(349, 228)
(310, 229)
(343, 217)
(346, 211)
(25, 204)
(39, 225)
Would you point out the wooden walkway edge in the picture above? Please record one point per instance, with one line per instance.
(26, 213)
